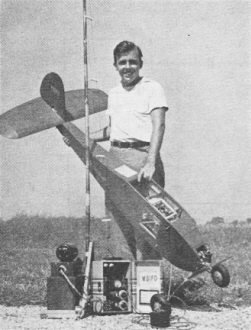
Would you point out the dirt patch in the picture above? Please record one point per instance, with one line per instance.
(28, 317)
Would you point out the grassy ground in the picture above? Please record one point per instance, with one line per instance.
(227, 241)
(28, 246)
(235, 242)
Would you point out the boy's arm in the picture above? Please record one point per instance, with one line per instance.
(103, 134)
(158, 130)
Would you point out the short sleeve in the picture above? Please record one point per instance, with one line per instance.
(157, 97)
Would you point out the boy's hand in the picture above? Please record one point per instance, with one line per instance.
(147, 171)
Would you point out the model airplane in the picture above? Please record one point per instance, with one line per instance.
(148, 209)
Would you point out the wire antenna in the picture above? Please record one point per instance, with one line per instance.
(87, 127)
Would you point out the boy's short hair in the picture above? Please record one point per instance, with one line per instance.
(125, 47)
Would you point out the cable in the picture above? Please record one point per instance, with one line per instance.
(61, 271)
(176, 322)
(170, 282)
(180, 322)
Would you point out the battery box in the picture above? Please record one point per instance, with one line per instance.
(111, 286)
(148, 280)
(59, 294)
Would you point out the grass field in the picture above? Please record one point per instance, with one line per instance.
(28, 246)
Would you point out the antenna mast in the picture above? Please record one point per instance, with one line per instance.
(87, 129)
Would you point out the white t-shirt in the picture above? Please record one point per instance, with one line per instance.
(130, 111)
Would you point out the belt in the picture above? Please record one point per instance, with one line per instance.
(133, 144)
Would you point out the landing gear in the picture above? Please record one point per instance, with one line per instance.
(219, 272)
(204, 254)
(220, 275)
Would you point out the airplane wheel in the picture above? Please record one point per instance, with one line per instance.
(220, 275)
(159, 303)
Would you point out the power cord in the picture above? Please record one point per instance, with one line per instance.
(176, 322)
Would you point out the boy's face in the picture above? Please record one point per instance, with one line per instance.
(128, 66)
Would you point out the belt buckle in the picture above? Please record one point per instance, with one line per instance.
(118, 144)
(131, 145)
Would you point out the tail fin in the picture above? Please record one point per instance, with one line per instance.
(52, 92)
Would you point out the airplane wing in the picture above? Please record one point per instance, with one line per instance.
(35, 116)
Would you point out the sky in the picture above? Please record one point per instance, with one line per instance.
(199, 51)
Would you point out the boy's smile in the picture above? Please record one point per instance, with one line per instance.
(128, 66)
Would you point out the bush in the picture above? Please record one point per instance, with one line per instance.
(217, 221)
